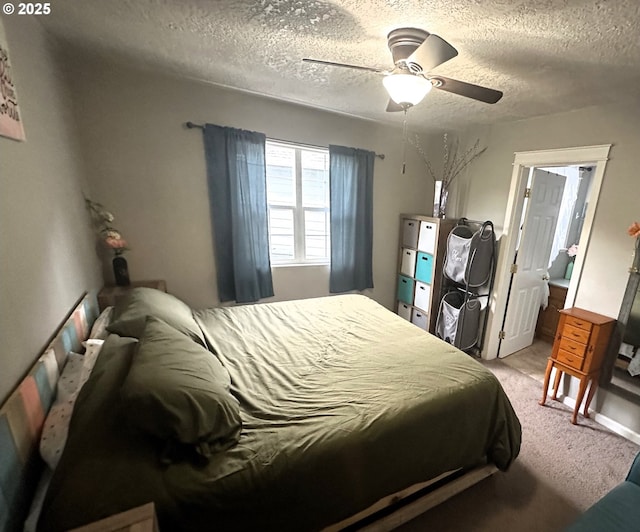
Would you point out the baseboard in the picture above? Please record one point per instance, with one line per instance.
(605, 421)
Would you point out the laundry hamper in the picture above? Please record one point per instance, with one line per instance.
(459, 320)
(469, 258)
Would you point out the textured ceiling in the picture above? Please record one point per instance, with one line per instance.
(547, 56)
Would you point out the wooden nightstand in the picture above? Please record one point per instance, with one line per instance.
(139, 519)
(579, 349)
(109, 295)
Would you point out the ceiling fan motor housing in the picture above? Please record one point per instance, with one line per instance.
(403, 42)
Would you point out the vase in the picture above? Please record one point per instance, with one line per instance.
(440, 196)
(121, 271)
(569, 270)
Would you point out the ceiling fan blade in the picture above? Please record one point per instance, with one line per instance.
(432, 52)
(393, 107)
(463, 88)
(343, 65)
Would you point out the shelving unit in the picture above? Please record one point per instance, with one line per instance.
(467, 275)
(420, 257)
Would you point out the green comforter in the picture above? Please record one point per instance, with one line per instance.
(342, 403)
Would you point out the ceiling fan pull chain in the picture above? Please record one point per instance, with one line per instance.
(404, 142)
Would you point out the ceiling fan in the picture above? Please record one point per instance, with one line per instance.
(415, 53)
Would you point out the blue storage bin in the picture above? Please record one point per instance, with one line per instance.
(424, 267)
(405, 289)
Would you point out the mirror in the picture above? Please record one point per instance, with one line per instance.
(622, 372)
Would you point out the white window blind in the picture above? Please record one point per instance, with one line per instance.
(298, 201)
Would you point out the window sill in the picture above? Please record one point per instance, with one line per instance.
(301, 265)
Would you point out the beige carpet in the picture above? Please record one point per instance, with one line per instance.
(562, 469)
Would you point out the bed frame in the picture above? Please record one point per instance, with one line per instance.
(23, 414)
(401, 507)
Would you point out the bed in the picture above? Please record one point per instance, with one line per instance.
(342, 404)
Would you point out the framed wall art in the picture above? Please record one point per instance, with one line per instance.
(10, 118)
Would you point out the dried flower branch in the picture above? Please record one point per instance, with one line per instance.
(415, 142)
(453, 164)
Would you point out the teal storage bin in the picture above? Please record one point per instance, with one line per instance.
(405, 289)
(424, 267)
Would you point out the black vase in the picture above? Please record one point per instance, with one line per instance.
(121, 271)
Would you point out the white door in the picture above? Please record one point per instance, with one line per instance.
(532, 261)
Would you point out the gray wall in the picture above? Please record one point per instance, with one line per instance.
(150, 171)
(47, 251)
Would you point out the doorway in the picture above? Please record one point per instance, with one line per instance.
(504, 315)
(553, 214)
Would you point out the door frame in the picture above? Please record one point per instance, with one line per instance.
(523, 161)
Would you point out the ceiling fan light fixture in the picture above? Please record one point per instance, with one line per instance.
(407, 89)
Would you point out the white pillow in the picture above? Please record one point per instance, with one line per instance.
(69, 381)
(99, 328)
(92, 350)
(76, 372)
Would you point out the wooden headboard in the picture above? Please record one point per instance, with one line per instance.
(22, 415)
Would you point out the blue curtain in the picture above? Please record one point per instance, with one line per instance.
(351, 189)
(236, 174)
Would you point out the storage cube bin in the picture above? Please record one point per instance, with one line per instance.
(424, 267)
(410, 231)
(419, 318)
(405, 289)
(427, 238)
(404, 311)
(408, 264)
(422, 296)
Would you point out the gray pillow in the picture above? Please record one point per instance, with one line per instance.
(130, 314)
(178, 391)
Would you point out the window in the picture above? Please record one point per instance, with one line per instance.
(298, 201)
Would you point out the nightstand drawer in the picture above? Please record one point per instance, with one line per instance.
(577, 322)
(573, 361)
(578, 335)
(573, 347)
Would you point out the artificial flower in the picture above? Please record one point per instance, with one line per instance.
(634, 230)
(102, 220)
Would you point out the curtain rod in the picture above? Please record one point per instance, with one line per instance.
(191, 125)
